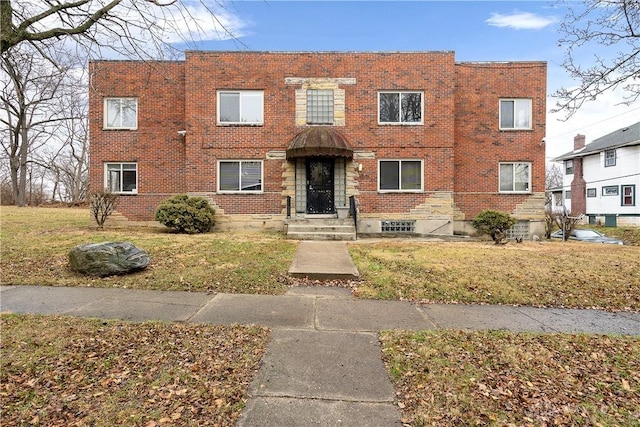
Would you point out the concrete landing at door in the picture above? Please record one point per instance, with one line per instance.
(323, 260)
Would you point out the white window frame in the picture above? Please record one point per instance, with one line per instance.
(120, 126)
(516, 101)
(400, 189)
(610, 190)
(512, 191)
(313, 114)
(240, 162)
(400, 122)
(120, 190)
(568, 167)
(609, 160)
(242, 94)
(592, 192)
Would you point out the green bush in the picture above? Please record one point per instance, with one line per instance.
(494, 223)
(185, 214)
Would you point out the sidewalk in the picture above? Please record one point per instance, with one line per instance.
(322, 366)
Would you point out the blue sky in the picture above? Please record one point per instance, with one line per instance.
(474, 30)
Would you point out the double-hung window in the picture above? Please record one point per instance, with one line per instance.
(121, 178)
(609, 158)
(241, 107)
(120, 113)
(515, 114)
(515, 177)
(400, 107)
(240, 176)
(568, 167)
(628, 195)
(320, 107)
(400, 175)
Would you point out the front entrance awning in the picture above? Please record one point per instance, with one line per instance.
(319, 142)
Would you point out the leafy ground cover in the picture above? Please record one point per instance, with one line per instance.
(36, 242)
(571, 274)
(449, 378)
(61, 371)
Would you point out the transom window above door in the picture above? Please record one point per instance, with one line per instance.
(400, 107)
(243, 107)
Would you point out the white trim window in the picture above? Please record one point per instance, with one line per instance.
(568, 167)
(400, 107)
(241, 107)
(320, 107)
(120, 113)
(610, 190)
(400, 175)
(240, 176)
(609, 158)
(121, 178)
(515, 114)
(515, 177)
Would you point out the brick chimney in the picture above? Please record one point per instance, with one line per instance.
(578, 185)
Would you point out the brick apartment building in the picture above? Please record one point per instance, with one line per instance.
(421, 141)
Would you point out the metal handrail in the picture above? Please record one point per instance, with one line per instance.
(353, 211)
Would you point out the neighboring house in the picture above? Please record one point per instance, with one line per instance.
(423, 143)
(602, 179)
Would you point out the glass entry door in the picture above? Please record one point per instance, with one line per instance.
(320, 186)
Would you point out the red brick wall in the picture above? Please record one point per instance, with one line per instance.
(479, 143)
(155, 145)
(460, 124)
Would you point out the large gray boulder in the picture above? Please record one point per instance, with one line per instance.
(107, 258)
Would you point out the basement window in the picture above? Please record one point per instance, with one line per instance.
(393, 226)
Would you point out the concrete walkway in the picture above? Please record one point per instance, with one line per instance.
(322, 366)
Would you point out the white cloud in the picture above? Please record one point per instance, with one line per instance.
(521, 21)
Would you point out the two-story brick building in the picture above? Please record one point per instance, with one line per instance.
(421, 141)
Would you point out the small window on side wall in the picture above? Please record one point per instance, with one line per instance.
(120, 113)
(610, 190)
(609, 158)
(592, 192)
(515, 114)
(515, 177)
(121, 178)
(568, 167)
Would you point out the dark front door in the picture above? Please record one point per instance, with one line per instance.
(320, 186)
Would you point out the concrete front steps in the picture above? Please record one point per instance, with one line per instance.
(320, 229)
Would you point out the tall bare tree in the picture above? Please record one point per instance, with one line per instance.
(130, 28)
(608, 32)
(32, 97)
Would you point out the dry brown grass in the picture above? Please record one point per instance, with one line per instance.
(557, 274)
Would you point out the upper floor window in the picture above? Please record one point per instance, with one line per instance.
(320, 106)
(240, 107)
(400, 175)
(568, 167)
(628, 195)
(515, 114)
(515, 177)
(120, 113)
(240, 176)
(400, 107)
(121, 177)
(609, 158)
